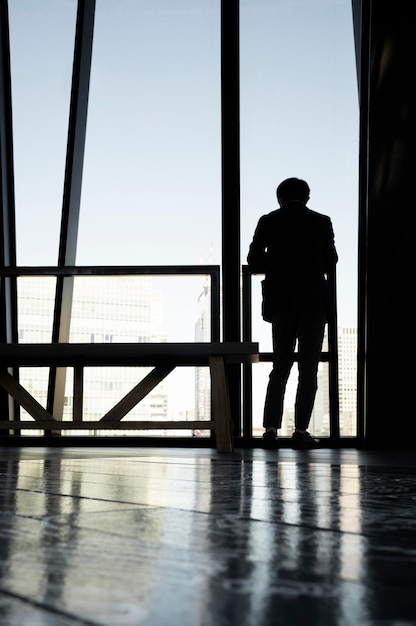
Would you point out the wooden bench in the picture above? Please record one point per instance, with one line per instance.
(162, 357)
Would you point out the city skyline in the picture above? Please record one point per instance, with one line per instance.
(131, 309)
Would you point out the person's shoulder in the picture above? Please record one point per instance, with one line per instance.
(318, 216)
(267, 218)
(272, 213)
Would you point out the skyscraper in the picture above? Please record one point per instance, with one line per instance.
(347, 368)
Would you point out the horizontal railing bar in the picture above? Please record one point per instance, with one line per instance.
(265, 357)
(114, 425)
(125, 354)
(109, 270)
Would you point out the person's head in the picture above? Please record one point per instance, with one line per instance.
(292, 190)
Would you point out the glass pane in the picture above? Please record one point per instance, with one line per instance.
(124, 309)
(42, 47)
(36, 302)
(299, 117)
(152, 172)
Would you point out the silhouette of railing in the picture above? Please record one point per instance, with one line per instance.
(213, 271)
(12, 273)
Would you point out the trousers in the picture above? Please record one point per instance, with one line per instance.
(307, 329)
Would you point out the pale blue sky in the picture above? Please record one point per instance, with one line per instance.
(152, 178)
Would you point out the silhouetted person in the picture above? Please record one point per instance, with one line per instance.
(294, 247)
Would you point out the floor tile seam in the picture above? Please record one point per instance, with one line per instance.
(79, 464)
(337, 531)
(385, 535)
(90, 498)
(172, 484)
(36, 454)
(305, 457)
(242, 477)
(89, 479)
(128, 503)
(61, 518)
(48, 518)
(127, 507)
(370, 501)
(48, 608)
(249, 520)
(97, 478)
(72, 464)
(290, 458)
(374, 535)
(206, 487)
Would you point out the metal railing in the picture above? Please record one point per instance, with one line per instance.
(213, 271)
(210, 271)
(330, 356)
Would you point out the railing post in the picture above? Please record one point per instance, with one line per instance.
(333, 378)
(247, 367)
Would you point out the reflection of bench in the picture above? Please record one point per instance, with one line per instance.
(163, 357)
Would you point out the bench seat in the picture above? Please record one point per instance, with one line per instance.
(90, 354)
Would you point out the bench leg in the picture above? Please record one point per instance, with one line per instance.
(221, 405)
(78, 397)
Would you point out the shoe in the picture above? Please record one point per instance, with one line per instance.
(304, 441)
(269, 441)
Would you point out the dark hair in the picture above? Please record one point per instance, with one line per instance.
(293, 189)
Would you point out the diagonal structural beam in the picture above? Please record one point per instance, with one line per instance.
(140, 391)
(72, 192)
(23, 397)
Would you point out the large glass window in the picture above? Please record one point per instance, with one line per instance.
(299, 117)
(42, 47)
(151, 192)
(152, 175)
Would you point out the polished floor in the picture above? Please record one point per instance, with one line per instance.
(191, 537)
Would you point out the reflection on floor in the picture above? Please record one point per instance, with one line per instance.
(131, 536)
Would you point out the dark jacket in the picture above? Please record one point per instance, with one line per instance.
(294, 247)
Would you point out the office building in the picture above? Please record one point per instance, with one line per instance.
(125, 309)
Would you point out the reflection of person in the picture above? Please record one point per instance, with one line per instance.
(294, 247)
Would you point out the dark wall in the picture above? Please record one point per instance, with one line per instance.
(387, 241)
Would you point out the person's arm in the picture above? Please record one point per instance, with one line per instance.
(256, 257)
(331, 256)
